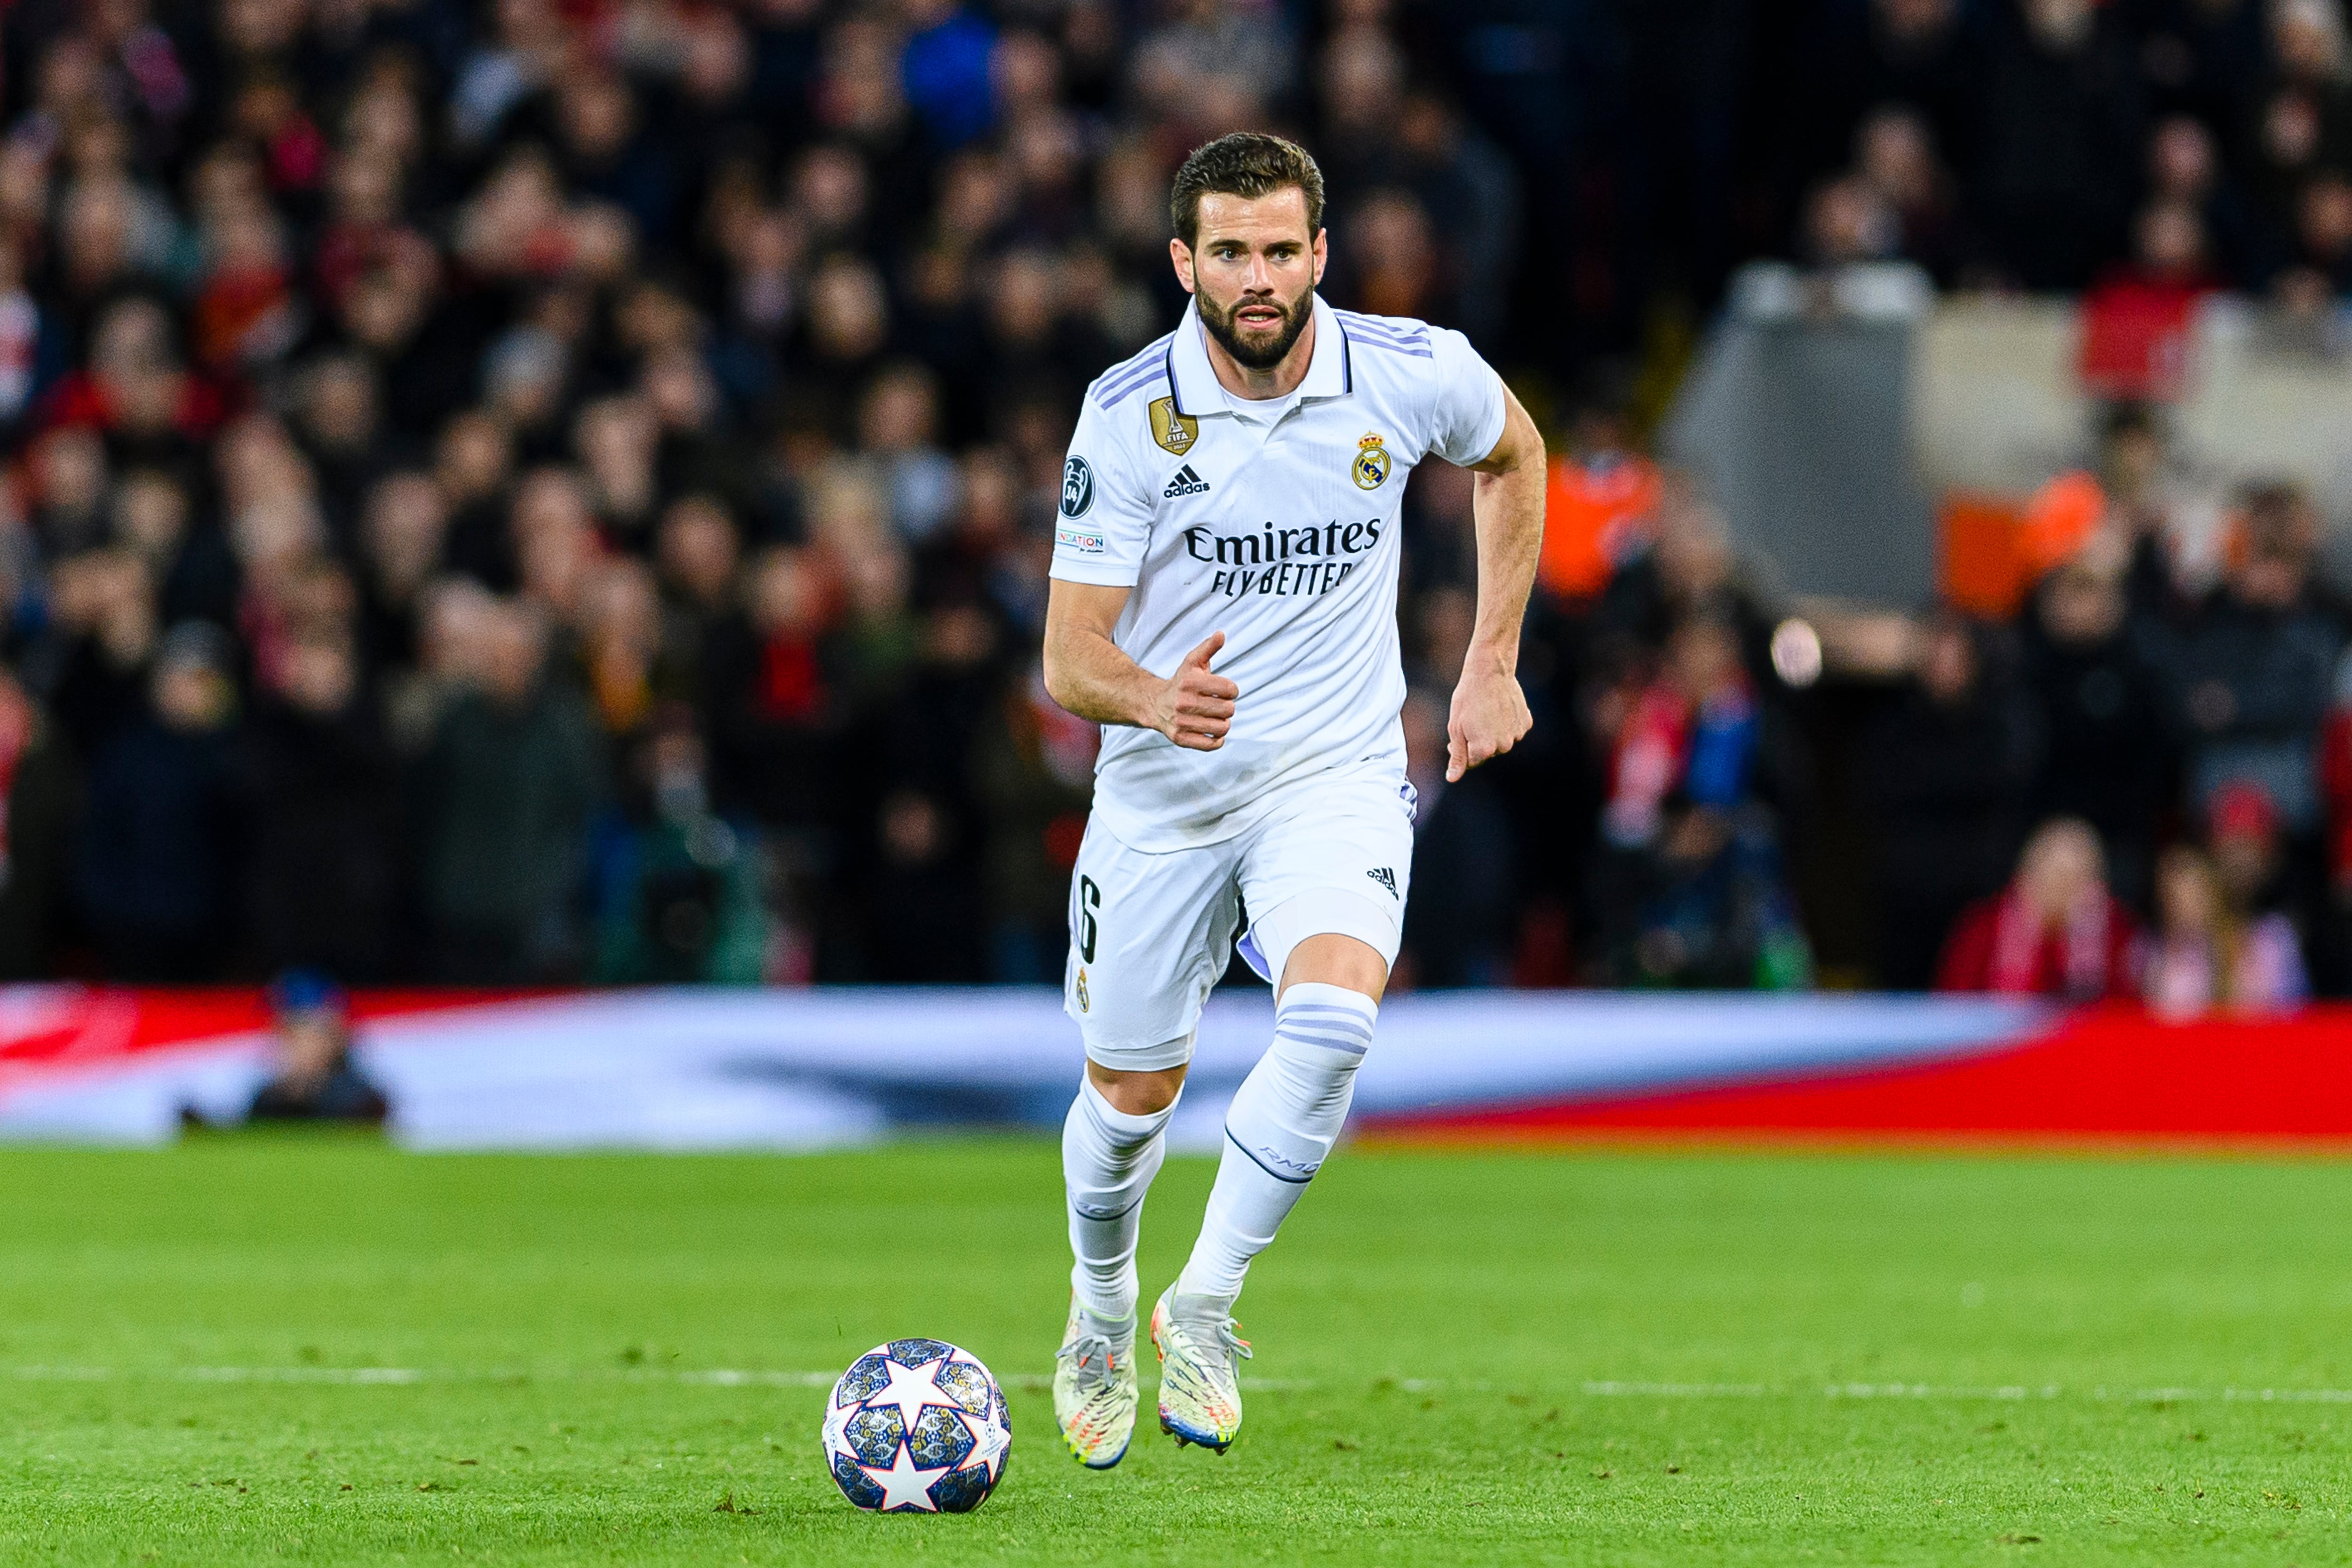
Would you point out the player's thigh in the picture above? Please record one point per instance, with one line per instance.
(1337, 862)
(1150, 935)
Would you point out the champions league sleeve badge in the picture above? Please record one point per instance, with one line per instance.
(1372, 465)
(1079, 485)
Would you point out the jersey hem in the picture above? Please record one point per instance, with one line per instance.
(1384, 766)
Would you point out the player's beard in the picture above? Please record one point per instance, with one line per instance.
(1266, 353)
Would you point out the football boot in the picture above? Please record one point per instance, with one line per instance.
(1199, 1374)
(1095, 1389)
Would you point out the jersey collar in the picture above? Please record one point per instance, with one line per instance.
(1330, 373)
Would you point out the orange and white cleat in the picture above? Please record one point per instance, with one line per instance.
(1095, 1389)
(1199, 1375)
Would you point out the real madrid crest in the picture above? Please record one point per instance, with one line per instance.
(1082, 990)
(1372, 467)
(1175, 431)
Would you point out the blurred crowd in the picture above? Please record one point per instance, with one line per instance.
(555, 490)
(2156, 146)
(2140, 786)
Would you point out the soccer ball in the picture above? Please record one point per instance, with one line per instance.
(917, 1427)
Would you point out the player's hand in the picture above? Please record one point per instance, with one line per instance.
(1196, 707)
(1490, 715)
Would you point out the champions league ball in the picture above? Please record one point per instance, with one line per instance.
(917, 1427)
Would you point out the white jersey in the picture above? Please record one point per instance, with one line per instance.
(1276, 523)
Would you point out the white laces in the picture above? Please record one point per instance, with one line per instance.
(1089, 1356)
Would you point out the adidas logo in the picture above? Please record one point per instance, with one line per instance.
(1185, 483)
(1385, 878)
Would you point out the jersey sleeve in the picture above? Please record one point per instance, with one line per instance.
(1468, 417)
(1105, 519)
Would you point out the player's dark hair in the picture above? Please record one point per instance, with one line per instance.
(1244, 163)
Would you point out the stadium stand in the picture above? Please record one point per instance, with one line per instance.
(556, 491)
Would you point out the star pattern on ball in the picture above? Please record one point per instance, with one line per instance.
(989, 1442)
(918, 1463)
(903, 1485)
(911, 1388)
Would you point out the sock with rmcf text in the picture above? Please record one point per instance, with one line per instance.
(1285, 1119)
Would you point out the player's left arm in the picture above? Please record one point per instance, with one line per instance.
(1490, 713)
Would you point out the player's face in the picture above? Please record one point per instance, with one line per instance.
(1252, 271)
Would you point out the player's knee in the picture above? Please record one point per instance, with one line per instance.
(1136, 1093)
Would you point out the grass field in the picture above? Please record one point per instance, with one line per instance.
(331, 1352)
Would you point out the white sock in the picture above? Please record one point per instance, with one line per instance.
(1284, 1120)
(1108, 1159)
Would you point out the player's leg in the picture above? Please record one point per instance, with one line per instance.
(1142, 929)
(1331, 946)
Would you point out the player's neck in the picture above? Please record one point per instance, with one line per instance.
(1279, 381)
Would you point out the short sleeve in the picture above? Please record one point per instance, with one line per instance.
(1104, 522)
(1468, 418)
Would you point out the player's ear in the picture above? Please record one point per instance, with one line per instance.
(1180, 256)
(1322, 252)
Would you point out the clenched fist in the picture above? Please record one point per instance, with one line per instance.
(1490, 716)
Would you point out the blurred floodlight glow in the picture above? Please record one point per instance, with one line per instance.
(1797, 653)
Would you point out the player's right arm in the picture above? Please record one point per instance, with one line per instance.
(1100, 542)
(1088, 674)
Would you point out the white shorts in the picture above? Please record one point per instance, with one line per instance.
(1151, 934)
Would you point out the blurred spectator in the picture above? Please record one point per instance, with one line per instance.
(324, 887)
(1032, 777)
(1949, 773)
(2205, 956)
(1472, 196)
(1697, 871)
(1599, 509)
(1927, 55)
(2055, 932)
(896, 425)
(698, 553)
(39, 795)
(2062, 111)
(678, 895)
(156, 862)
(314, 1077)
(2137, 319)
(2107, 756)
(1902, 188)
(620, 627)
(103, 630)
(505, 798)
(2186, 169)
(771, 676)
(154, 519)
(402, 535)
(1848, 220)
(2247, 840)
(1688, 569)
(2254, 672)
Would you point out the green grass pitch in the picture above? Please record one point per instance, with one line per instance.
(323, 1352)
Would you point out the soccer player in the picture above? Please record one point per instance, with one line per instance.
(1224, 600)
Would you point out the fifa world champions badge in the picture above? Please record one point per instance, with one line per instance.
(1371, 465)
(1174, 431)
